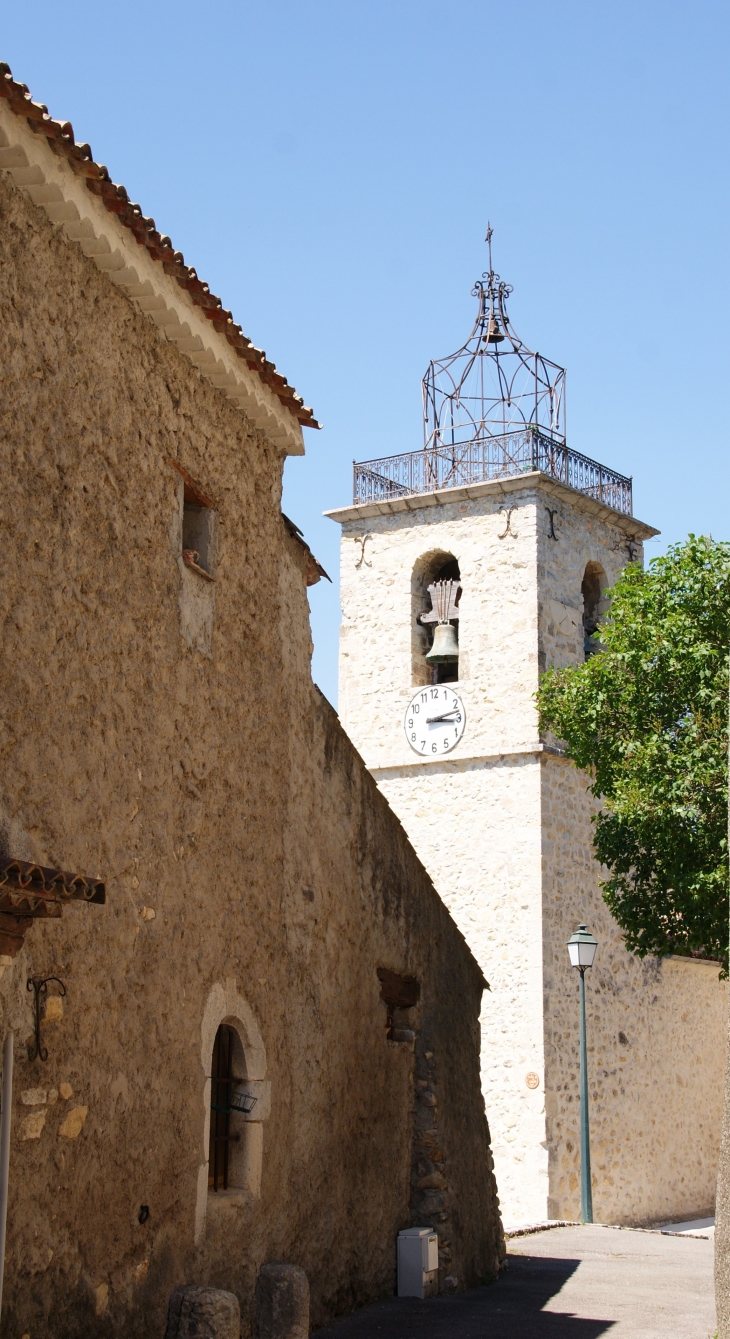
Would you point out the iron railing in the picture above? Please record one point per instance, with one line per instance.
(486, 458)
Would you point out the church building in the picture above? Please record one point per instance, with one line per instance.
(468, 567)
(240, 1023)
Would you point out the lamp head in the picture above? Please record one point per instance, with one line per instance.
(582, 948)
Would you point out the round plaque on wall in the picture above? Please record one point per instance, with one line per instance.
(532, 1080)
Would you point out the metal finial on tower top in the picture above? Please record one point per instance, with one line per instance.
(493, 397)
(488, 240)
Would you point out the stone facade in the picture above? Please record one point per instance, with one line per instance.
(161, 731)
(502, 823)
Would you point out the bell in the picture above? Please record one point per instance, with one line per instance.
(445, 649)
(494, 334)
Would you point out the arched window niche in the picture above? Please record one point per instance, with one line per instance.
(236, 1101)
(595, 606)
(432, 567)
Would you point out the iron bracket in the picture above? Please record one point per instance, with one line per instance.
(39, 984)
(507, 513)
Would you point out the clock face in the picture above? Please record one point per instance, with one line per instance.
(434, 720)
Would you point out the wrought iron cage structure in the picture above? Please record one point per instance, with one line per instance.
(493, 385)
(491, 410)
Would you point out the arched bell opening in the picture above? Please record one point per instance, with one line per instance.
(436, 592)
(595, 607)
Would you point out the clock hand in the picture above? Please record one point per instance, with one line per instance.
(432, 720)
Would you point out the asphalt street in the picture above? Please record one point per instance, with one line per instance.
(565, 1283)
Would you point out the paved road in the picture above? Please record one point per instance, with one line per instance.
(568, 1283)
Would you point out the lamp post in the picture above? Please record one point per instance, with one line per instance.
(582, 949)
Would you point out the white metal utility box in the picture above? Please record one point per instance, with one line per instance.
(418, 1262)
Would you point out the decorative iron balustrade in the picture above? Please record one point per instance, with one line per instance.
(486, 458)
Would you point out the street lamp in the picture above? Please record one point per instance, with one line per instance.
(582, 949)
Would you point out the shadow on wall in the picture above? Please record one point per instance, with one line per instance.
(510, 1308)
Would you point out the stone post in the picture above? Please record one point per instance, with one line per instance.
(282, 1303)
(203, 1313)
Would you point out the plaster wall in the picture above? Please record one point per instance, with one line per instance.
(503, 826)
(255, 875)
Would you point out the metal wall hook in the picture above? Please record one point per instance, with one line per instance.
(362, 541)
(507, 514)
(39, 984)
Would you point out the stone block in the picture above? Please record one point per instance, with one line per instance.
(203, 1313)
(282, 1303)
(74, 1123)
(32, 1126)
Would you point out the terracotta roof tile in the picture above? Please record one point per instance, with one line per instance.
(315, 569)
(60, 136)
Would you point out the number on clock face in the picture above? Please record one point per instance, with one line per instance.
(434, 720)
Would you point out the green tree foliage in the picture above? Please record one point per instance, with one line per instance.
(648, 719)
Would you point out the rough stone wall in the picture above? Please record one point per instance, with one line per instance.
(503, 827)
(656, 1097)
(654, 1032)
(581, 539)
(722, 1225)
(254, 872)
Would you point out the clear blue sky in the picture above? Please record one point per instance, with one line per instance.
(329, 169)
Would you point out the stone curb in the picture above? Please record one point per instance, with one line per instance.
(615, 1227)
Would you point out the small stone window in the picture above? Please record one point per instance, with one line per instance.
(198, 532)
(195, 538)
(595, 607)
(198, 525)
(400, 995)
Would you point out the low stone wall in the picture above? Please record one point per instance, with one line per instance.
(654, 1030)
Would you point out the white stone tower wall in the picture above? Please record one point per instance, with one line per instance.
(503, 826)
(497, 630)
(483, 853)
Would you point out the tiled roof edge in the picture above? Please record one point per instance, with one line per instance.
(315, 569)
(60, 137)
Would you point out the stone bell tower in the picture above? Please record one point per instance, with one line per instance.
(526, 534)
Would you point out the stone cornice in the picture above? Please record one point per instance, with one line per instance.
(474, 760)
(523, 483)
